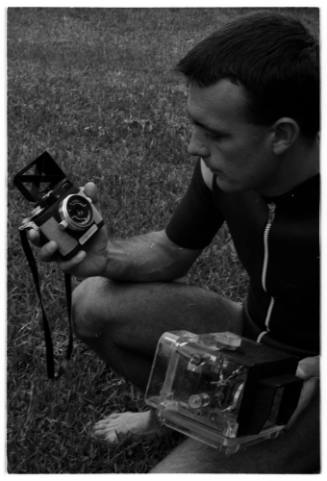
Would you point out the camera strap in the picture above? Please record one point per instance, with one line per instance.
(46, 327)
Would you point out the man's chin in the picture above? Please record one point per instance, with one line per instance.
(227, 186)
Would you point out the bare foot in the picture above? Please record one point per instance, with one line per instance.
(120, 425)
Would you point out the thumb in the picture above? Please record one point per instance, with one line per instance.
(90, 189)
(308, 367)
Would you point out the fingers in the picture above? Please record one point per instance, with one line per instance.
(34, 237)
(48, 251)
(71, 264)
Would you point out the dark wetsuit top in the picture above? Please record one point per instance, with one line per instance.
(277, 241)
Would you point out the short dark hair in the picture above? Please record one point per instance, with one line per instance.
(274, 57)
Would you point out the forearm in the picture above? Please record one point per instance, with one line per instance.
(147, 258)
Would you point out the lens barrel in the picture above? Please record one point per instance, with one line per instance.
(76, 212)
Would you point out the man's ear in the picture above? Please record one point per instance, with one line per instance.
(285, 132)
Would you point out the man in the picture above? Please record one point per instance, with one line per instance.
(253, 102)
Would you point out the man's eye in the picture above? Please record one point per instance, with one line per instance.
(213, 135)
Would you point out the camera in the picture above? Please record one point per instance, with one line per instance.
(62, 212)
(222, 389)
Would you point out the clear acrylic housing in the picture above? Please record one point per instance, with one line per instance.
(198, 384)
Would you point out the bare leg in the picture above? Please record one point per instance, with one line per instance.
(123, 322)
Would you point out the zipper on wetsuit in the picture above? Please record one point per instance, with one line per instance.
(266, 232)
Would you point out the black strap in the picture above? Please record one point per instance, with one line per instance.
(46, 328)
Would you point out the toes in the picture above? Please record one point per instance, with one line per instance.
(109, 436)
(106, 422)
(107, 426)
(119, 426)
(112, 437)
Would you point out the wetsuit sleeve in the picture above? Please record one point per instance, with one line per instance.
(196, 219)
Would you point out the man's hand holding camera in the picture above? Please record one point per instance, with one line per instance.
(86, 263)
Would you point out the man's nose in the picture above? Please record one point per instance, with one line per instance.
(196, 146)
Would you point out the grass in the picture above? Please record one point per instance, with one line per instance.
(95, 88)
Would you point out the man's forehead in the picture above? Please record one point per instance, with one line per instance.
(224, 99)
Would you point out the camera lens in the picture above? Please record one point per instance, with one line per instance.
(76, 210)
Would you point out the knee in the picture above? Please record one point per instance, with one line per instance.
(89, 312)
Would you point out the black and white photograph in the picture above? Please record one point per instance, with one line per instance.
(163, 260)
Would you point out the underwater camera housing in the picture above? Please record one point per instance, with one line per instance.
(62, 212)
(222, 389)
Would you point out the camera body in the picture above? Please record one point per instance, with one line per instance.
(62, 212)
(222, 389)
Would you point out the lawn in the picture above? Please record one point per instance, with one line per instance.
(96, 88)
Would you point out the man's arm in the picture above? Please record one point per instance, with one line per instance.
(147, 258)
(151, 257)
(157, 256)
